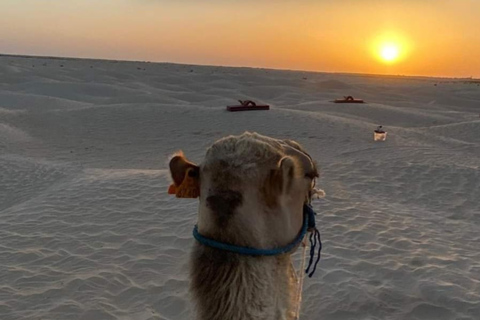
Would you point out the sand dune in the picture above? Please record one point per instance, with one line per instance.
(87, 230)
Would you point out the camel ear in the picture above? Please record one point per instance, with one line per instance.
(287, 170)
(185, 175)
(278, 181)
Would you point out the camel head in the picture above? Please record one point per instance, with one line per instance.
(252, 189)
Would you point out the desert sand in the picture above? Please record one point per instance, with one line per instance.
(87, 230)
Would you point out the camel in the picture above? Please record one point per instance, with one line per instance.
(252, 190)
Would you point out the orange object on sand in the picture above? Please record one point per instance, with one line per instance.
(246, 105)
(348, 99)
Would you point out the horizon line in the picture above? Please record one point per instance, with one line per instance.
(28, 56)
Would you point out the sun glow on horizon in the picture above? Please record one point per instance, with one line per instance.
(382, 37)
(390, 48)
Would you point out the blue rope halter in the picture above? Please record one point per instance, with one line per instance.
(308, 225)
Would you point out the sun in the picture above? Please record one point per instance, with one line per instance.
(391, 47)
(389, 52)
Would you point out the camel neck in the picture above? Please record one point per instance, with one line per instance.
(227, 285)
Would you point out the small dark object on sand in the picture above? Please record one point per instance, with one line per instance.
(348, 99)
(247, 105)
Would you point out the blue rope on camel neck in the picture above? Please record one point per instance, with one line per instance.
(308, 225)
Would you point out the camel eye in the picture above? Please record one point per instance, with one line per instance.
(313, 179)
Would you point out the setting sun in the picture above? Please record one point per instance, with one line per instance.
(391, 47)
(389, 52)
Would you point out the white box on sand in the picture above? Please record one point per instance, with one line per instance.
(379, 136)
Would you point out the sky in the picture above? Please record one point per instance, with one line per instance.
(426, 37)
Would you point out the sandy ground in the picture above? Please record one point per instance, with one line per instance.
(87, 230)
